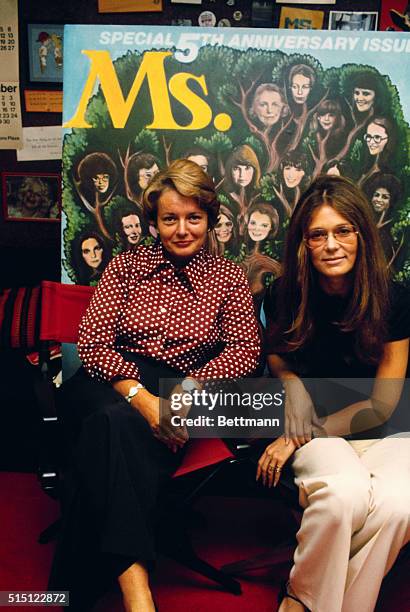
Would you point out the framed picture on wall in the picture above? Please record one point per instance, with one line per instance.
(45, 50)
(353, 20)
(31, 197)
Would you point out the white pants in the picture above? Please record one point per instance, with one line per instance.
(356, 520)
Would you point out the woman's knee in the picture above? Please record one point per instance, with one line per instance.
(393, 508)
(346, 499)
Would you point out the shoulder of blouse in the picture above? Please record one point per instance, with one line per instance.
(229, 267)
(129, 260)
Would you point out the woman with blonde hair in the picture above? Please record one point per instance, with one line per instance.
(146, 321)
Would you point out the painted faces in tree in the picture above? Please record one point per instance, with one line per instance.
(381, 199)
(92, 252)
(259, 226)
(223, 229)
(242, 174)
(376, 138)
(146, 174)
(268, 106)
(364, 99)
(300, 88)
(101, 182)
(327, 121)
(292, 175)
(131, 226)
(200, 160)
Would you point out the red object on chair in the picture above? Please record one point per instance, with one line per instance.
(202, 453)
(62, 307)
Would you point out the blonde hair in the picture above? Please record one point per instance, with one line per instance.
(189, 180)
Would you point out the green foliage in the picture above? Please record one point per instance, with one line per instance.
(356, 153)
(147, 141)
(218, 143)
(236, 258)
(256, 145)
(268, 183)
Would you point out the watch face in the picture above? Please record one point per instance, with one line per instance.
(188, 385)
(133, 392)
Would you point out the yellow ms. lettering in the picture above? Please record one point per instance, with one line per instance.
(152, 69)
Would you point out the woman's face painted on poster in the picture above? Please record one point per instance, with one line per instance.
(92, 252)
(381, 199)
(242, 174)
(327, 121)
(363, 98)
(200, 160)
(223, 228)
(376, 138)
(132, 228)
(146, 174)
(101, 182)
(268, 107)
(300, 88)
(292, 175)
(259, 226)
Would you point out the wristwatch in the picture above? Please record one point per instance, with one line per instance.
(133, 392)
(188, 385)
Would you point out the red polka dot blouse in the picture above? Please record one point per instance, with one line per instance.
(179, 316)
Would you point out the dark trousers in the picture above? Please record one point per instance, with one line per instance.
(112, 478)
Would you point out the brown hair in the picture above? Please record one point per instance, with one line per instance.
(243, 155)
(365, 314)
(305, 70)
(189, 180)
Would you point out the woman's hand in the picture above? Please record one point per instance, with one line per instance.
(159, 417)
(157, 412)
(273, 459)
(300, 415)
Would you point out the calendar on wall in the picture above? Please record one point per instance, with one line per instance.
(10, 111)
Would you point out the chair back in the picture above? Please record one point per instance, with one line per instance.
(62, 307)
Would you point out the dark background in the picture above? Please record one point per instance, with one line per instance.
(30, 252)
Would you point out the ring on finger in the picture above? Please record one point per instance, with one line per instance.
(278, 469)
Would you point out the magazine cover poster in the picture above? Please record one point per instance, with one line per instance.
(262, 111)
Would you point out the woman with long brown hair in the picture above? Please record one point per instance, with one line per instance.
(334, 314)
(242, 176)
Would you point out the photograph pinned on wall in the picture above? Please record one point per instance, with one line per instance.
(353, 21)
(31, 197)
(262, 14)
(395, 15)
(129, 6)
(300, 19)
(45, 49)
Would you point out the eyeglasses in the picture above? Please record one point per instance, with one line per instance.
(377, 139)
(345, 234)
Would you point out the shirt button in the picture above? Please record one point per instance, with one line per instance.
(162, 310)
